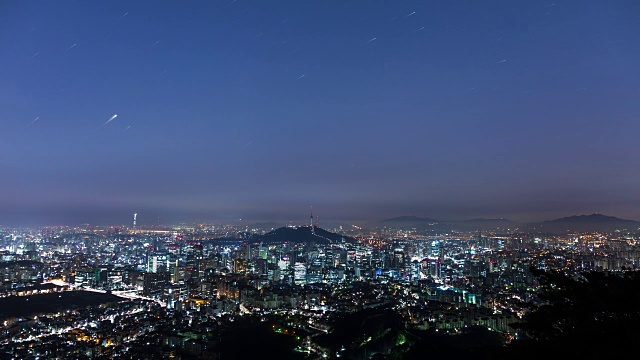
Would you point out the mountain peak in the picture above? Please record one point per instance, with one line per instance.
(586, 223)
(590, 218)
(300, 234)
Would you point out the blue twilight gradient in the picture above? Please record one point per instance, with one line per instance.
(365, 109)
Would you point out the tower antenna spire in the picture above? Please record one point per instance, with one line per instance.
(311, 220)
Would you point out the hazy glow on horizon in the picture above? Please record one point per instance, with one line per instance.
(367, 110)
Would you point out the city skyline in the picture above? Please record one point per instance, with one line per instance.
(365, 110)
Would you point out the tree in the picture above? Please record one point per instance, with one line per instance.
(589, 314)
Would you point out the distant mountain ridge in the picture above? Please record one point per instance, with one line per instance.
(576, 223)
(584, 223)
(591, 218)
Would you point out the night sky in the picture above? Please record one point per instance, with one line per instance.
(366, 110)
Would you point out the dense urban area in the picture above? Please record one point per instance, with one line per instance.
(163, 165)
(214, 292)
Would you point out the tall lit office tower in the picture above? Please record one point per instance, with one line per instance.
(135, 215)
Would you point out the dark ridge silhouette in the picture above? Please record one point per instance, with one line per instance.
(302, 234)
(250, 338)
(474, 342)
(592, 218)
(584, 223)
(26, 306)
(590, 316)
(369, 331)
